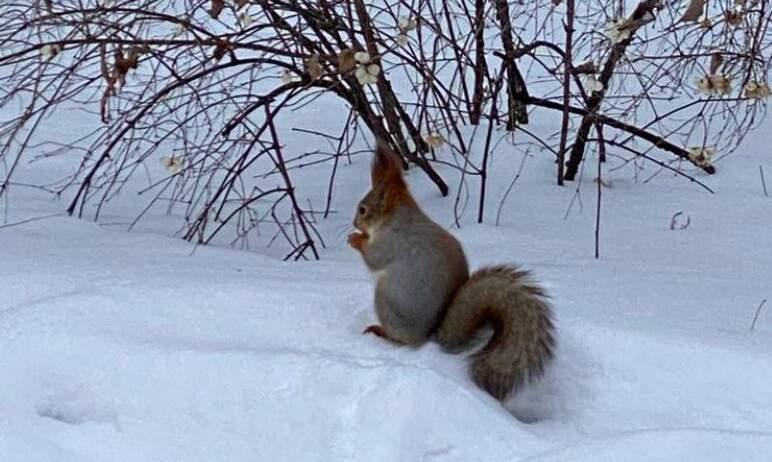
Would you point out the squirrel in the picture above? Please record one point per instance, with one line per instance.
(424, 290)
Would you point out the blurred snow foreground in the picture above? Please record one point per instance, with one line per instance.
(133, 346)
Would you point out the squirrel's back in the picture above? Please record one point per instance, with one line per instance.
(427, 268)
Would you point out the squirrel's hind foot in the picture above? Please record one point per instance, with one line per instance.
(379, 331)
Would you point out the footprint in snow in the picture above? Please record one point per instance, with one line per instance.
(74, 408)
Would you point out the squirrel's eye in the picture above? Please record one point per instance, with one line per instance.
(362, 210)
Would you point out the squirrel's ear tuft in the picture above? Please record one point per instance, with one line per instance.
(387, 165)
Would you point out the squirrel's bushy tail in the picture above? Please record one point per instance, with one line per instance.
(523, 334)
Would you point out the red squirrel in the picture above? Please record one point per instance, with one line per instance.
(424, 291)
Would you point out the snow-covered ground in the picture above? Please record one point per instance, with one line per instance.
(136, 346)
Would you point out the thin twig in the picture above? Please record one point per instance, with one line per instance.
(601, 157)
(567, 64)
(290, 188)
(758, 312)
(30, 220)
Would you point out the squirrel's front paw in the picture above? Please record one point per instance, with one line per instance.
(357, 240)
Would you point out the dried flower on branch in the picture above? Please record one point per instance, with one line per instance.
(702, 156)
(756, 90)
(714, 85)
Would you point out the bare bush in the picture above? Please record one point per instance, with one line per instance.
(201, 85)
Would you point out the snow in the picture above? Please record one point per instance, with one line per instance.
(136, 346)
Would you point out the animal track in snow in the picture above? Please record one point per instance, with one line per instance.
(75, 408)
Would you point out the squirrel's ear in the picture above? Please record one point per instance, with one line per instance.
(387, 165)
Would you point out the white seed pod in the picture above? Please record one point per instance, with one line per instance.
(406, 24)
(374, 70)
(362, 57)
(50, 51)
(362, 75)
(592, 84)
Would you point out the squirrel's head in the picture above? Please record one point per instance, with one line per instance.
(388, 192)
